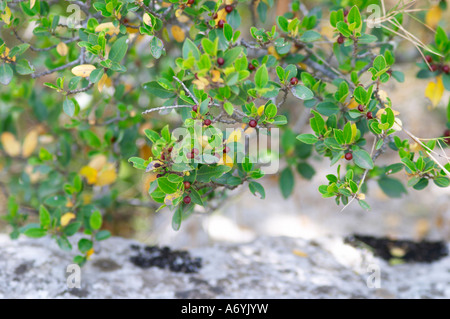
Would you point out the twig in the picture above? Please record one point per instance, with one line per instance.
(161, 108)
(186, 89)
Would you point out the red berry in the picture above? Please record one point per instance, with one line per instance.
(195, 108)
(187, 184)
(190, 155)
(195, 151)
(170, 149)
(389, 72)
(228, 8)
(361, 108)
(215, 16)
(348, 156)
(447, 133)
(226, 149)
(345, 12)
(159, 175)
(369, 115)
(251, 67)
(187, 199)
(221, 23)
(434, 68)
(220, 61)
(252, 123)
(191, 1)
(340, 39)
(294, 81)
(429, 58)
(446, 69)
(163, 157)
(207, 122)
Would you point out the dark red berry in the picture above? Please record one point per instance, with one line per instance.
(340, 39)
(447, 133)
(226, 149)
(348, 156)
(157, 165)
(369, 115)
(228, 8)
(361, 108)
(252, 123)
(187, 199)
(446, 69)
(170, 149)
(220, 61)
(191, 1)
(195, 151)
(434, 67)
(163, 157)
(251, 67)
(215, 16)
(429, 58)
(389, 72)
(207, 122)
(345, 12)
(220, 24)
(294, 81)
(159, 175)
(195, 108)
(190, 155)
(187, 184)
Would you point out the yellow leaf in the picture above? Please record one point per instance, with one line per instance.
(216, 76)
(353, 104)
(260, 110)
(10, 144)
(168, 200)
(6, 53)
(178, 33)
(89, 253)
(235, 136)
(62, 49)
(6, 17)
(302, 66)
(221, 15)
(354, 131)
(83, 70)
(272, 51)
(98, 162)
(32, 3)
(434, 91)
(147, 20)
(147, 179)
(299, 253)
(30, 143)
(433, 16)
(89, 173)
(106, 177)
(108, 27)
(201, 83)
(66, 218)
(226, 160)
(102, 82)
(87, 198)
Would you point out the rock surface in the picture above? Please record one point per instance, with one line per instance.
(269, 267)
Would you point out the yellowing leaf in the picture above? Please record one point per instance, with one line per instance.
(89, 253)
(106, 177)
(178, 33)
(433, 16)
(235, 136)
(299, 253)
(146, 180)
(354, 131)
(108, 27)
(261, 110)
(6, 53)
(216, 76)
(221, 15)
(302, 66)
(83, 70)
(102, 82)
(62, 49)
(434, 91)
(66, 218)
(32, 3)
(30, 143)
(353, 104)
(271, 50)
(10, 144)
(98, 162)
(147, 20)
(89, 173)
(226, 160)
(168, 200)
(6, 17)
(201, 83)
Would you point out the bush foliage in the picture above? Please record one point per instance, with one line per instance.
(91, 89)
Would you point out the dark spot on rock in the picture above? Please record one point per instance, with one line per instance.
(405, 250)
(192, 294)
(107, 265)
(79, 292)
(23, 268)
(165, 258)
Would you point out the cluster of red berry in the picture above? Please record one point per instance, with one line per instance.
(435, 67)
(369, 114)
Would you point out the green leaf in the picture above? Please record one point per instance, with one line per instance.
(261, 77)
(176, 219)
(286, 182)
(72, 228)
(256, 187)
(156, 47)
(70, 108)
(307, 138)
(102, 235)
(306, 170)
(24, 67)
(442, 181)
(35, 232)
(327, 108)
(118, 50)
(302, 92)
(362, 159)
(64, 243)
(166, 186)
(6, 73)
(207, 172)
(190, 47)
(310, 36)
(84, 245)
(95, 221)
(391, 187)
(44, 217)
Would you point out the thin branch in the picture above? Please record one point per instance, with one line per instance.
(62, 67)
(186, 89)
(161, 108)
